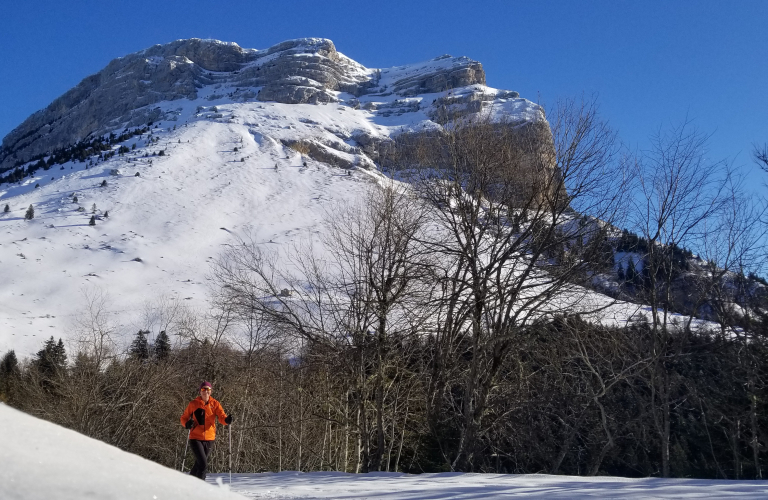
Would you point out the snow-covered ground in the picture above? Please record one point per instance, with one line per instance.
(164, 226)
(457, 486)
(43, 461)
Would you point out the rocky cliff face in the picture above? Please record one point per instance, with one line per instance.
(307, 70)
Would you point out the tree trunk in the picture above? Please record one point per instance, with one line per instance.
(755, 443)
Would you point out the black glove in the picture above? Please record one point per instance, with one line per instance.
(190, 423)
(228, 420)
(200, 416)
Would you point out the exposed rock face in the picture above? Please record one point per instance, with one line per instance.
(332, 153)
(466, 72)
(308, 70)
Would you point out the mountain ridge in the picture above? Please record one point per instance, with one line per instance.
(304, 70)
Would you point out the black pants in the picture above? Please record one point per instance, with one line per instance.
(202, 450)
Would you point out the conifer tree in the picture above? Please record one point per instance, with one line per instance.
(162, 346)
(7, 208)
(60, 354)
(92, 222)
(9, 364)
(631, 274)
(74, 199)
(30, 213)
(9, 373)
(140, 346)
(620, 274)
(51, 359)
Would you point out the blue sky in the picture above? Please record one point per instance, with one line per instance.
(651, 63)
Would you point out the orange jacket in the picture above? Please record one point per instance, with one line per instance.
(206, 432)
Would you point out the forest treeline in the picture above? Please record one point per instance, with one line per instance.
(451, 324)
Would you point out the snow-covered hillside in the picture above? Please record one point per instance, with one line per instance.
(159, 220)
(165, 224)
(214, 163)
(43, 461)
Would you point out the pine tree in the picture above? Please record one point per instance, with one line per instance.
(162, 346)
(30, 213)
(9, 373)
(9, 364)
(631, 274)
(620, 274)
(7, 208)
(93, 208)
(104, 183)
(60, 354)
(74, 199)
(51, 359)
(92, 222)
(106, 214)
(140, 346)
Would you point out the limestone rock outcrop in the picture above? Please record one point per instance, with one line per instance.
(307, 70)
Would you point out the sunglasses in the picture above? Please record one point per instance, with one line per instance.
(208, 389)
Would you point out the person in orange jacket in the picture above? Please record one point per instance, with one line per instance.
(199, 419)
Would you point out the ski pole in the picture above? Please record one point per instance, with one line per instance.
(230, 454)
(184, 458)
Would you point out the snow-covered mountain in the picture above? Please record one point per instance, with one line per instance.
(130, 91)
(208, 139)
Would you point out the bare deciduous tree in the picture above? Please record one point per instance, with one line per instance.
(680, 191)
(513, 249)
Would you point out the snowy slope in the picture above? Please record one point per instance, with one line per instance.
(225, 170)
(166, 225)
(43, 461)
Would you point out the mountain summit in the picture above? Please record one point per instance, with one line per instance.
(307, 70)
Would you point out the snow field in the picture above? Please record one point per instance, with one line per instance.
(167, 225)
(461, 486)
(174, 217)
